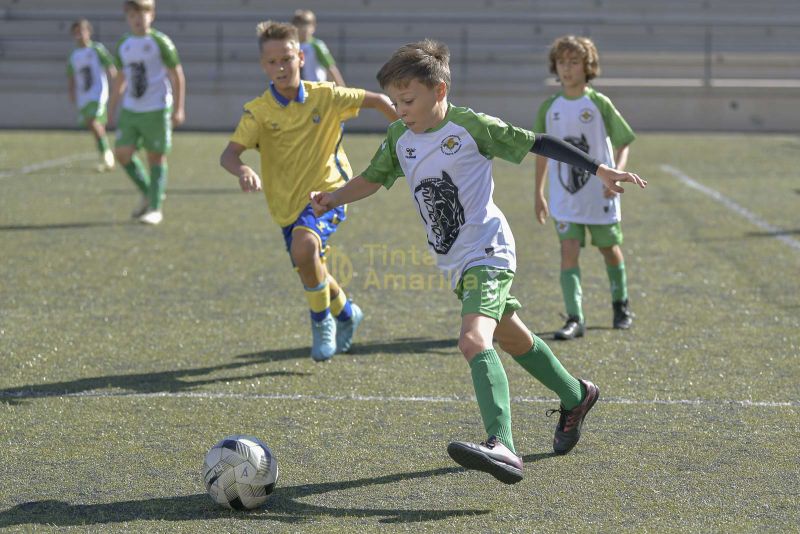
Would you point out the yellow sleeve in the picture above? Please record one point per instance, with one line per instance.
(247, 131)
(347, 101)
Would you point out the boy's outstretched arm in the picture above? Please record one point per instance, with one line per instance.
(380, 102)
(356, 189)
(231, 161)
(336, 75)
(552, 147)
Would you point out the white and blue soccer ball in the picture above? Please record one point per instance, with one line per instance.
(240, 472)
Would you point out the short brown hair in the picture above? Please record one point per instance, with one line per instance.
(427, 61)
(583, 46)
(304, 16)
(278, 31)
(139, 5)
(81, 23)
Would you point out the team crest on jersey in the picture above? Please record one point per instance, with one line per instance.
(437, 198)
(451, 145)
(586, 115)
(315, 116)
(562, 227)
(147, 48)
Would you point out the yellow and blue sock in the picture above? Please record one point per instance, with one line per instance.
(319, 301)
(340, 307)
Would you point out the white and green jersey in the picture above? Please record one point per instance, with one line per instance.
(449, 174)
(317, 60)
(87, 66)
(144, 60)
(591, 123)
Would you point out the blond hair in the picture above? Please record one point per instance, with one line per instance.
(304, 16)
(583, 47)
(426, 61)
(81, 23)
(277, 31)
(139, 5)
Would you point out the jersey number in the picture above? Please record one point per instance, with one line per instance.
(138, 79)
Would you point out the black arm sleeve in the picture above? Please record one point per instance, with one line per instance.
(552, 147)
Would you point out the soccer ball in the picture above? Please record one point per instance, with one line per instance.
(240, 472)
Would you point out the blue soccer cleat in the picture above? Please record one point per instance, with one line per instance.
(323, 335)
(345, 330)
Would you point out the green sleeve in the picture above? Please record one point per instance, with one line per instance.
(494, 137)
(324, 56)
(541, 117)
(169, 54)
(117, 56)
(102, 52)
(385, 168)
(618, 130)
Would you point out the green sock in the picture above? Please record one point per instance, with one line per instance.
(102, 144)
(491, 389)
(136, 171)
(158, 184)
(571, 289)
(545, 367)
(619, 282)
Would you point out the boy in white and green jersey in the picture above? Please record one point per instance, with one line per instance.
(318, 65)
(154, 87)
(445, 152)
(88, 69)
(579, 201)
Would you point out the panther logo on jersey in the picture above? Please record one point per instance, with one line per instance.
(138, 78)
(576, 178)
(437, 200)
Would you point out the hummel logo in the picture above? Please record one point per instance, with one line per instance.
(556, 116)
(410, 153)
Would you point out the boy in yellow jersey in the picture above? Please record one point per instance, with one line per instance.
(297, 128)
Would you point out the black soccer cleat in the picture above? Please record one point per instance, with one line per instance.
(622, 314)
(568, 429)
(572, 328)
(490, 456)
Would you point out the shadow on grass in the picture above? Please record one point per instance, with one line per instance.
(185, 191)
(282, 506)
(180, 380)
(796, 231)
(406, 345)
(158, 382)
(63, 226)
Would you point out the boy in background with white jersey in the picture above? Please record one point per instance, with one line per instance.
(88, 70)
(154, 87)
(579, 201)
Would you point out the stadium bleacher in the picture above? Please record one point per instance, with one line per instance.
(713, 51)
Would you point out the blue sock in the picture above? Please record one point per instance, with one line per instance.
(347, 312)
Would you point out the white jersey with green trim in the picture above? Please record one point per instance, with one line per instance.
(87, 65)
(144, 60)
(592, 124)
(449, 174)
(317, 60)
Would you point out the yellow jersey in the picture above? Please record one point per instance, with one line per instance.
(299, 142)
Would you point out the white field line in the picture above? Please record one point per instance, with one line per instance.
(382, 398)
(48, 164)
(754, 219)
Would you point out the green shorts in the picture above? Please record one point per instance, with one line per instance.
(603, 235)
(485, 290)
(92, 111)
(149, 129)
